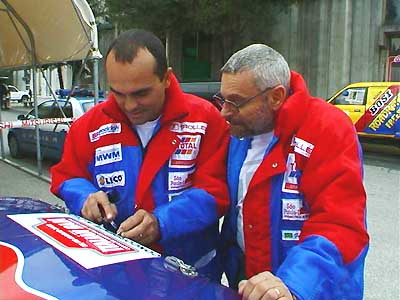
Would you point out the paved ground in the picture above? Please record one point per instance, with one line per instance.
(17, 183)
(382, 181)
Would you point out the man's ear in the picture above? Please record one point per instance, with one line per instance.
(278, 97)
(167, 77)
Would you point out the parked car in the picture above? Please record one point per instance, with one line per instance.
(20, 96)
(374, 108)
(78, 92)
(48, 254)
(23, 140)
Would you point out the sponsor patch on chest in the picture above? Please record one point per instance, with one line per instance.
(108, 154)
(111, 179)
(290, 235)
(190, 127)
(302, 147)
(292, 209)
(186, 153)
(179, 180)
(105, 129)
(291, 177)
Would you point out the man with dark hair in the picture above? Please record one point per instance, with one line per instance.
(296, 225)
(150, 159)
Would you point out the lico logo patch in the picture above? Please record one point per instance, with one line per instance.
(108, 154)
(110, 128)
(111, 179)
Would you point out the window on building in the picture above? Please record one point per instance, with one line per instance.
(196, 57)
(392, 12)
(394, 43)
(395, 75)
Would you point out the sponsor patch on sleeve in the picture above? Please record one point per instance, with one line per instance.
(186, 153)
(111, 179)
(189, 127)
(108, 154)
(103, 130)
(302, 147)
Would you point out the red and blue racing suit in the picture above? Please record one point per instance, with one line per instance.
(180, 176)
(304, 211)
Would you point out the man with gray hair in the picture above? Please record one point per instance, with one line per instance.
(296, 224)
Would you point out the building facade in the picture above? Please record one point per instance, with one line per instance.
(331, 42)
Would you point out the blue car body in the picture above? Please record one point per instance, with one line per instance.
(32, 268)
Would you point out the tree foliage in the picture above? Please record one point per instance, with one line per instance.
(218, 17)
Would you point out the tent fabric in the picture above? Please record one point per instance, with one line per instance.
(62, 30)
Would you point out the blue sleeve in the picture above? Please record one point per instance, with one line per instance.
(74, 192)
(191, 211)
(314, 270)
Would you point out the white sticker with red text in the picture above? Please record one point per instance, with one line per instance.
(190, 127)
(302, 147)
(86, 243)
(290, 182)
(186, 152)
(292, 209)
(179, 180)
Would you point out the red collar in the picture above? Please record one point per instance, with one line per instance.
(292, 113)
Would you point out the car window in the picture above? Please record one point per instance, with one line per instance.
(67, 108)
(12, 89)
(87, 105)
(45, 110)
(351, 96)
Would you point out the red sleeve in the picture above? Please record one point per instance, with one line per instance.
(332, 183)
(211, 163)
(72, 164)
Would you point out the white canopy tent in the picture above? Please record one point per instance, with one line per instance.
(41, 32)
(45, 32)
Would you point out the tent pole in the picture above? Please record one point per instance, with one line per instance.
(34, 94)
(32, 51)
(96, 80)
(1, 132)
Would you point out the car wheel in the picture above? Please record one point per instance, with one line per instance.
(14, 147)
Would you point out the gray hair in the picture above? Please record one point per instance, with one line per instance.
(268, 65)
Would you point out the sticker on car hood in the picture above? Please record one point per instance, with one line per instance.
(87, 243)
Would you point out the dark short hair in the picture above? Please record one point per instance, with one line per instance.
(128, 43)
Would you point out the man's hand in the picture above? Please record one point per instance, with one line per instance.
(264, 286)
(142, 227)
(97, 208)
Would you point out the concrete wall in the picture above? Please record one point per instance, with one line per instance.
(332, 42)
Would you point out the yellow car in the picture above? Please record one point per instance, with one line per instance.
(374, 107)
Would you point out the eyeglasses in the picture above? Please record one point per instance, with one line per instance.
(220, 100)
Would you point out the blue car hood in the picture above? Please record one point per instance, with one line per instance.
(35, 266)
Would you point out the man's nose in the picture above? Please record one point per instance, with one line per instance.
(130, 103)
(226, 111)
